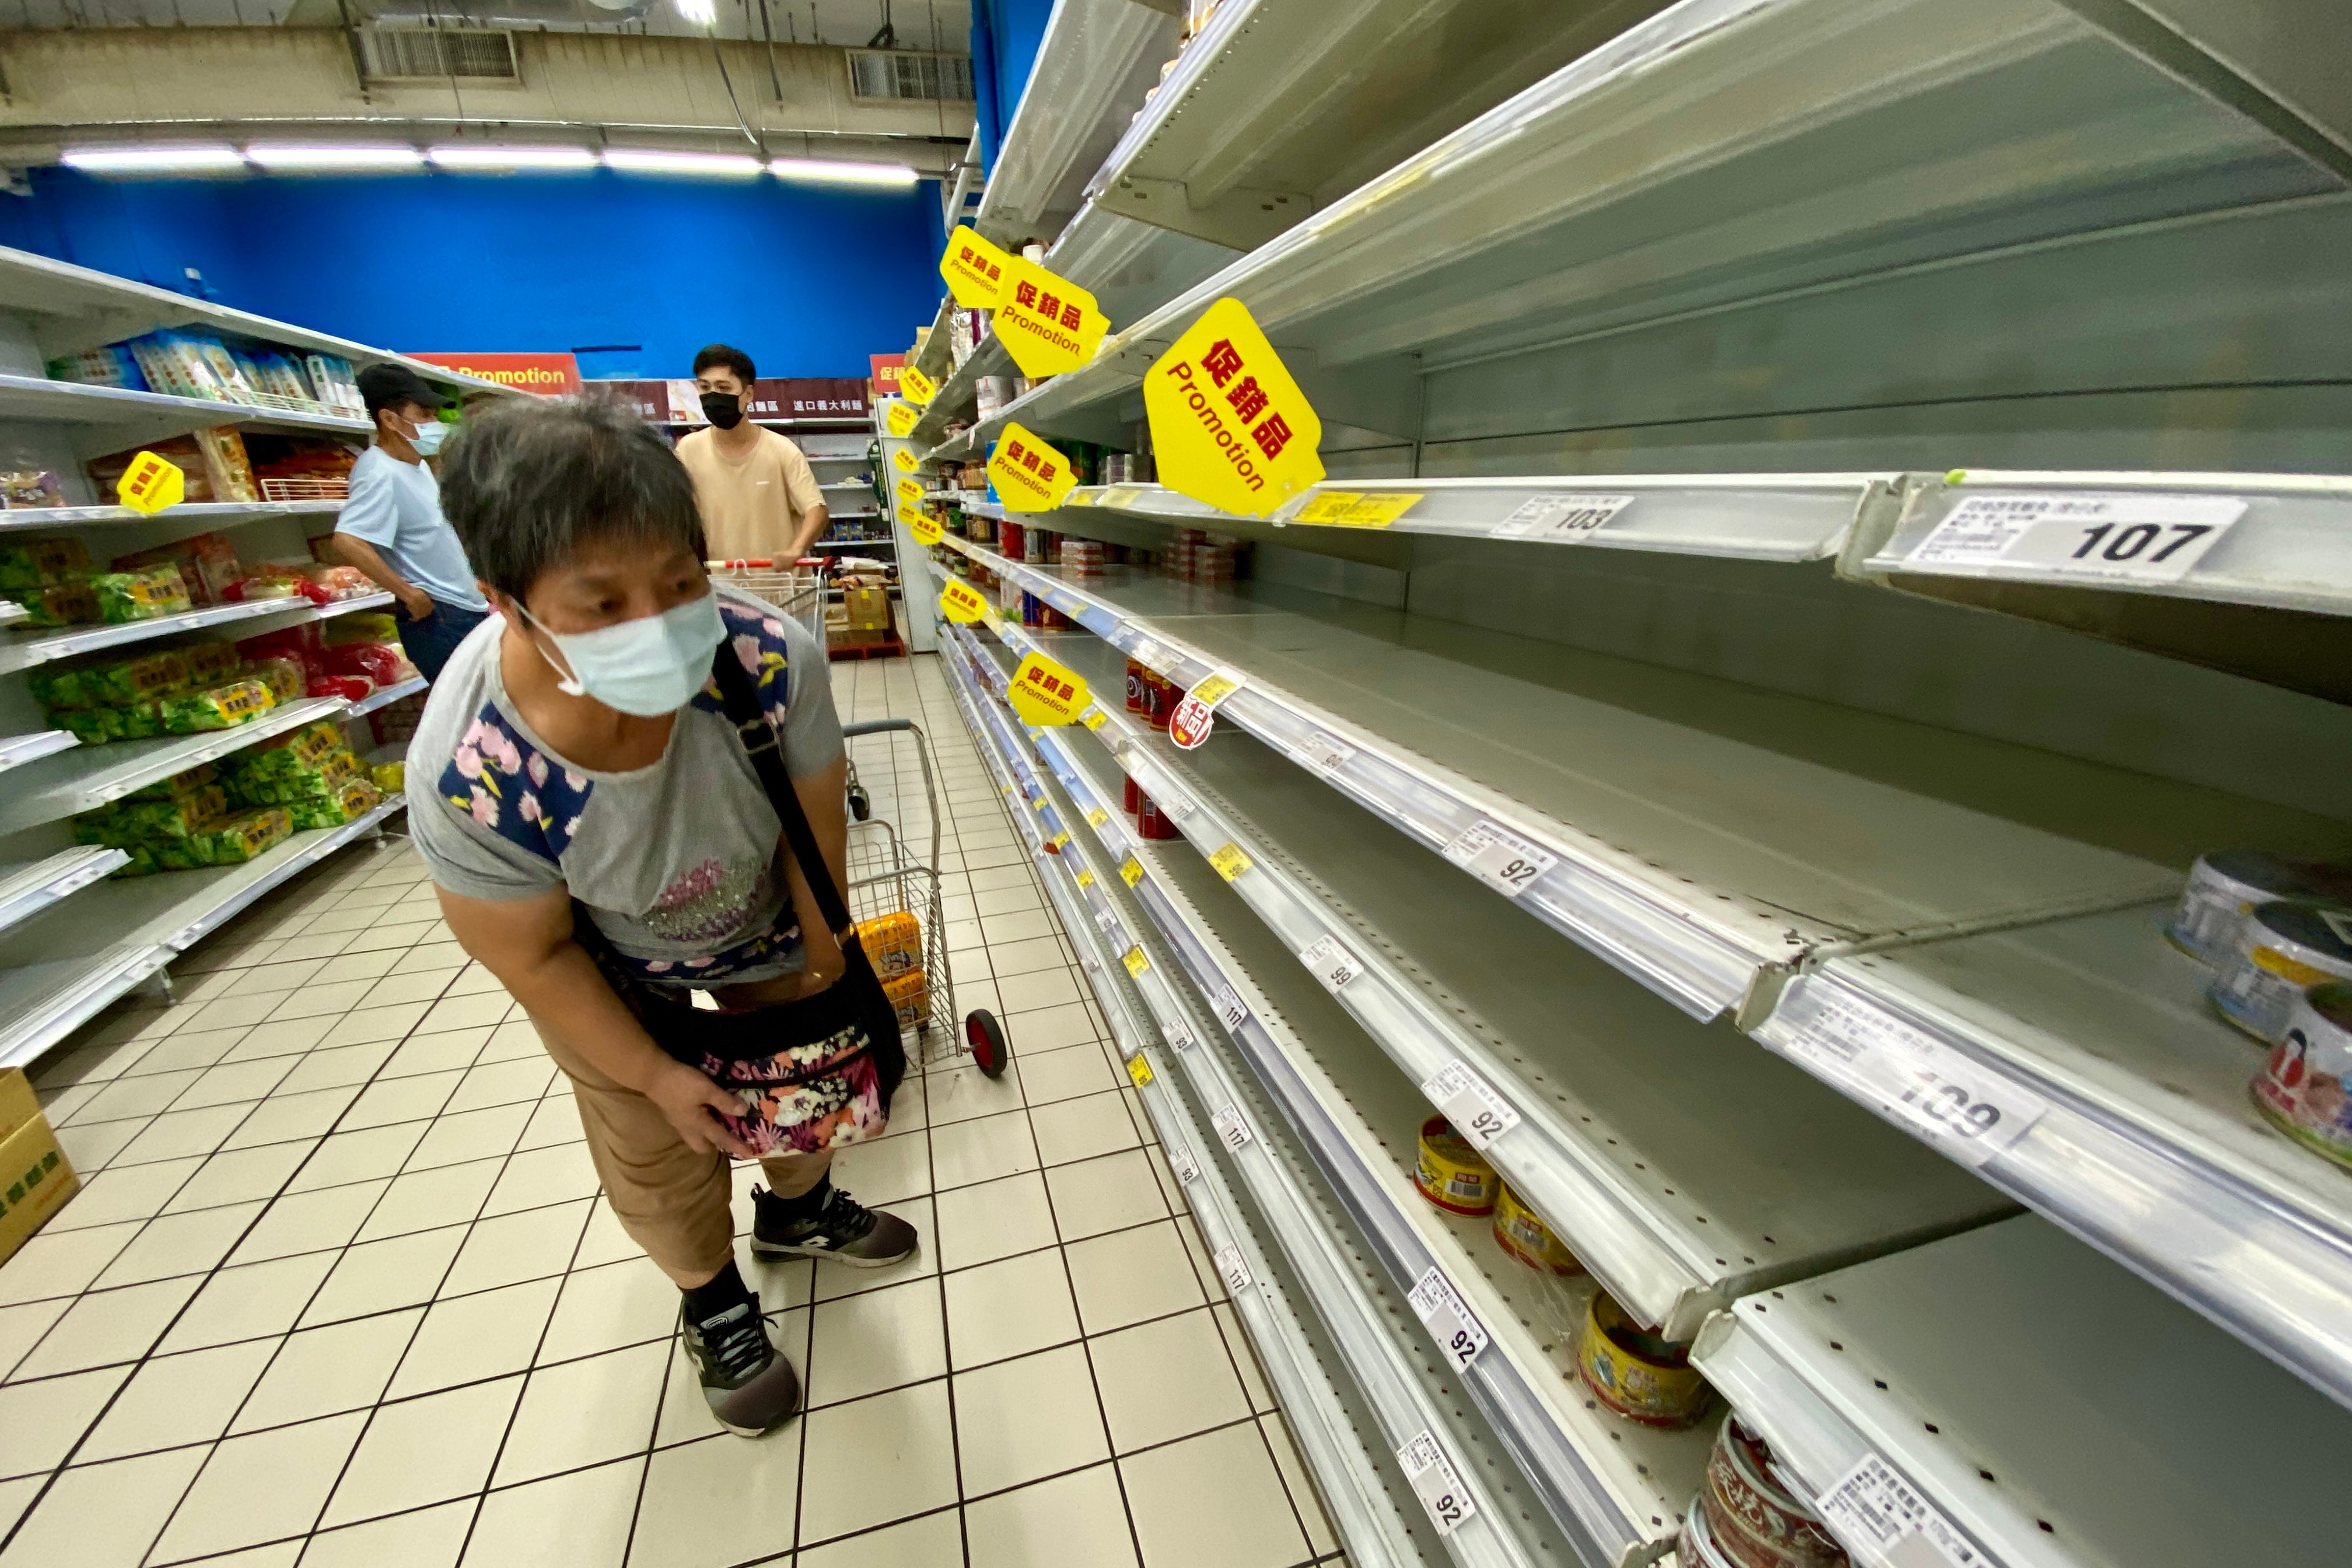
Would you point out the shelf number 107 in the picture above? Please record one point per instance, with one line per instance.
(2131, 543)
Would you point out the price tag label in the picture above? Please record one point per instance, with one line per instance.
(925, 527)
(1229, 861)
(1174, 804)
(1118, 499)
(1231, 1128)
(1328, 960)
(1448, 1318)
(1229, 425)
(1431, 1475)
(1499, 858)
(1138, 1070)
(1561, 519)
(1029, 473)
(1179, 1036)
(1232, 1269)
(1085, 878)
(1136, 962)
(1043, 692)
(1882, 1518)
(1151, 654)
(2118, 539)
(1130, 871)
(899, 418)
(1230, 1006)
(1348, 509)
(1092, 719)
(974, 270)
(1464, 1098)
(151, 483)
(1216, 687)
(1321, 752)
(1097, 817)
(1048, 324)
(903, 460)
(1914, 1078)
(1057, 842)
(915, 386)
(1181, 1161)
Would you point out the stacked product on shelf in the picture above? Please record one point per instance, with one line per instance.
(201, 364)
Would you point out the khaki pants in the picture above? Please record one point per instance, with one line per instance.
(674, 1203)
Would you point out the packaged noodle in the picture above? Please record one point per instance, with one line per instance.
(210, 663)
(301, 787)
(179, 784)
(239, 839)
(141, 863)
(95, 827)
(392, 778)
(105, 682)
(354, 799)
(58, 604)
(909, 992)
(140, 720)
(174, 818)
(284, 677)
(140, 596)
(28, 563)
(91, 726)
(222, 708)
(207, 565)
(300, 752)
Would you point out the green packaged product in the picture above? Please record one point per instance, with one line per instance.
(96, 827)
(140, 596)
(140, 720)
(106, 683)
(282, 676)
(177, 818)
(179, 854)
(193, 778)
(229, 841)
(141, 863)
(210, 663)
(354, 799)
(300, 752)
(28, 563)
(91, 726)
(58, 604)
(222, 708)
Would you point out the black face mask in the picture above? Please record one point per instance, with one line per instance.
(723, 409)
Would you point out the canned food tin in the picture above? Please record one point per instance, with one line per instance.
(2228, 883)
(2282, 951)
(1151, 822)
(1639, 1375)
(1130, 795)
(1159, 698)
(1696, 1547)
(1754, 1519)
(1451, 1174)
(1135, 703)
(1520, 1232)
(2302, 1088)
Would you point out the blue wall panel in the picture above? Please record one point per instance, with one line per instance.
(808, 279)
(1005, 34)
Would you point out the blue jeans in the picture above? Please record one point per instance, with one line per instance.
(431, 641)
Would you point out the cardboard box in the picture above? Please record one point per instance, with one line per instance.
(868, 608)
(35, 1177)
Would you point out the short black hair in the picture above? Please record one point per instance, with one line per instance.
(734, 359)
(530, 482)
(389, 386)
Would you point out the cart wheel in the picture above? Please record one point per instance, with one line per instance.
(860, 807)
(990, 1048)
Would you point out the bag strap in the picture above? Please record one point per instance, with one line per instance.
(758, 738)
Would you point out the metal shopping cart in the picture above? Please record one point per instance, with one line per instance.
(886, 882)
(795, 588)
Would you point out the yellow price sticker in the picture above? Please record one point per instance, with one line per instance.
(899, 418)
(911, 491)
(1097, 817)
(1228, 424)
(1137, 962)
(1352, 509)
(903, 460)
(1086, 879)
(1029, 473)
(974, 270)
(1048, 324)
(150, 484)
(1118, 499)
(1043, 693)
(1057, 841)
(1139, 1070)
(962, 603)
(1229, 861)
(1130, 871)
(1216, 687)
(926, 529)
(1092, 718)
(915, 386)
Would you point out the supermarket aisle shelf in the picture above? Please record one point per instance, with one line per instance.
(1408, 1387)
(1683, 1166)
(24, 652)
(112, 409)
(42, 1002)
(2050, 1410)
(16, 751)
(211, 514)
(93, 775)
(26, 891)
(352, 605)
(389, 694)
(1133, 267)
(13, 614)
(958, 398)
(932, 359)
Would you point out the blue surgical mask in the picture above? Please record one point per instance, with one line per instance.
(428, 437)
(647, 667)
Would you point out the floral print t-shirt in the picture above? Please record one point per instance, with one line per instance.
(677, 862)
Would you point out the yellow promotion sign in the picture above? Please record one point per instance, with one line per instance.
(1050, 326)
(962, 603)
(926, 528)
(974, 270)
(1137, 1068)
(1137, 966)
(903, 460)
(1352, 508)
(909, 491)
(1228, 424)
(1043, 692)
(1028, 473)
(915, 386)
(900, 418)
(151, 484)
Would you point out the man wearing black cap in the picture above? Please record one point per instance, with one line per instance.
(392, 526)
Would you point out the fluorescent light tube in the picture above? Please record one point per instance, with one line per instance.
(702, 12)
(647, 162)
(513, 158)
(379, 157)
(151, 160)
(842, 174)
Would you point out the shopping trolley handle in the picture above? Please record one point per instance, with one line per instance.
(875, 726)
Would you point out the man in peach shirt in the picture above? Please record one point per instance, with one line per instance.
(758, 495)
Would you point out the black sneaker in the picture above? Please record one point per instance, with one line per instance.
(842, 1229)
(751, 1388)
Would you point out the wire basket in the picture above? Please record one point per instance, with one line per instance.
(883, 880)
(794, 593)
(306, 490)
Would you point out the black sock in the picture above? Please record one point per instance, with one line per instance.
(810, 1203)
(721, 1290)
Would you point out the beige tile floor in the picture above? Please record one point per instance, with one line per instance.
(340, 1291)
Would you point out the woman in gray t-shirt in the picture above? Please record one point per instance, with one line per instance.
(575, 785)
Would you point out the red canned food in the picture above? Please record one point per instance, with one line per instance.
(1159, 698)
(1151, 822)
(1132, 797)
(1135, 678)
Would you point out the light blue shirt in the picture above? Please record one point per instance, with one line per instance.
(396, 507)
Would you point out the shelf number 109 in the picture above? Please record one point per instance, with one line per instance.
(1948, 1106)
(2131, 543)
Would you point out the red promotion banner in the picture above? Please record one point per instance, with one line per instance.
(884, 371)
(553, 375)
